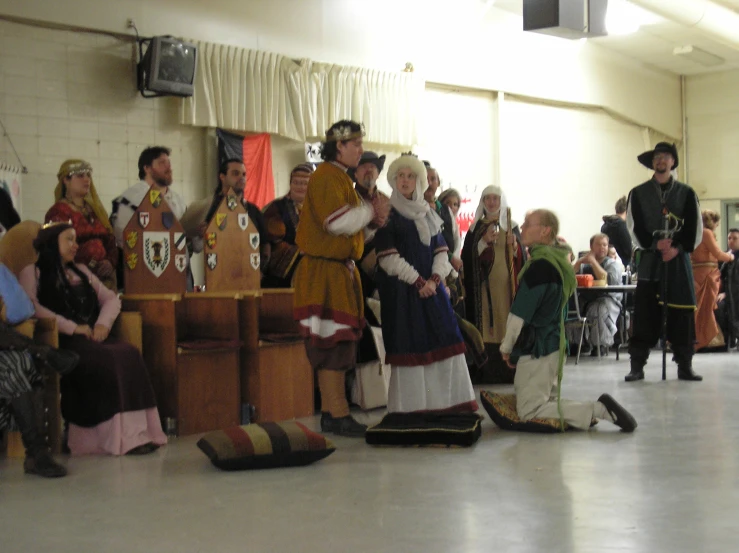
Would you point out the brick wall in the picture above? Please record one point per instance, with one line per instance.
(72, 95)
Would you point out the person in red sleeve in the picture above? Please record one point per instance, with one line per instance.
(77, 201)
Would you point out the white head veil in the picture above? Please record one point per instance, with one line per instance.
(417, 209)
(502, 214)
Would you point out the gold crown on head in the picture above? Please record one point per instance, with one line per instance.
(344, 132)
(55, 223)
(80, 168)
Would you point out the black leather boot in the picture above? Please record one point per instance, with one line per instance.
(38, 459)
(637, 371)
(684, 359)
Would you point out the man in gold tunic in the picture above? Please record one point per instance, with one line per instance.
(328, 291)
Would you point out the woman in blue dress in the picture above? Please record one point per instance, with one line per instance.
(422, 339)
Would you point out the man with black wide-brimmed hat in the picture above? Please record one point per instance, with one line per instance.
(660, 199)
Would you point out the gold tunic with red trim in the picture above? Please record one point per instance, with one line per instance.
(328, 292)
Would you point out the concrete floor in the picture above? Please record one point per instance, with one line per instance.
(671, 486)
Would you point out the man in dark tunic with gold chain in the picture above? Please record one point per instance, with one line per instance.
(660, 199)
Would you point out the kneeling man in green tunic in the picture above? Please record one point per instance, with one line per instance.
(535, 341)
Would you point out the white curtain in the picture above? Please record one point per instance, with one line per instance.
(254, 91)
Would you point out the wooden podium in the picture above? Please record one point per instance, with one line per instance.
(154, 249)
(192, 349)
(276, 377)
(231, 249)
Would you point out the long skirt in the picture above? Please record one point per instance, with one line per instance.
(108, 399)
(442, 386)
(18, 375)
(707, 281)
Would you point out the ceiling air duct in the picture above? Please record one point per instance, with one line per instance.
(571, 19)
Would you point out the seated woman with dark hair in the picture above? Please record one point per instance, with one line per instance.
(108, 399)
(77, 201)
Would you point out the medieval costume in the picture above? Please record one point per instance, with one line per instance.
(94, 232)
(707, 280)
(108, 399)
(727, 312)
(421, 336)
(649, 205)
(329, 304)
(490, 281)
(535, 340)
(255, 215)
(367, 265)
(281, 221)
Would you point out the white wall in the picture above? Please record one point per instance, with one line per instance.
(72, 95)
(448, 42)
(713, 139)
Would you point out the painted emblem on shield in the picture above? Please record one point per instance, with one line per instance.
(180, 261)
(144, 219)
(155, 197)
(232, 202)
(211, 239)
(254, 240)
(221, 220)
(131, 260)
(131, 238)
(254, 258)
(167, 219)
(179, 240)
(212, 260)
(243, 221)
(156, 252)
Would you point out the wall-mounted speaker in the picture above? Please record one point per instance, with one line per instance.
(571, 19)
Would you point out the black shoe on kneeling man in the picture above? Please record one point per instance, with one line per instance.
(621, 417)
(342, 426)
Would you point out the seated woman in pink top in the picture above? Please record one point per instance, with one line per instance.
(107, 400)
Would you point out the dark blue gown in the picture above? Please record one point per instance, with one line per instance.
(416, 331)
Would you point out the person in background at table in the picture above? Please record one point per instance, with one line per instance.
(78, 201)
(281, 218)
(604, 309)
(707, 280)
(614, 226)
(727, 312)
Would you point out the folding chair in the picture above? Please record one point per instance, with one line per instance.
(576, 319)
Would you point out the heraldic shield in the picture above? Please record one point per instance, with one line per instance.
(157, 251)
(180, 261)
(231, 234)
(149, 248)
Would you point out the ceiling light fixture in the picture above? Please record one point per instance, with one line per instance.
(693, 53)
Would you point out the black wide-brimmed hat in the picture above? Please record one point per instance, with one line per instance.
(646, 158)
(369, 157)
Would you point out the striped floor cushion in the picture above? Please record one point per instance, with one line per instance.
(502, 409)
(426, 429)
(265, 445)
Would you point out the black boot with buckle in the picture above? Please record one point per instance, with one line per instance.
(38, 459)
